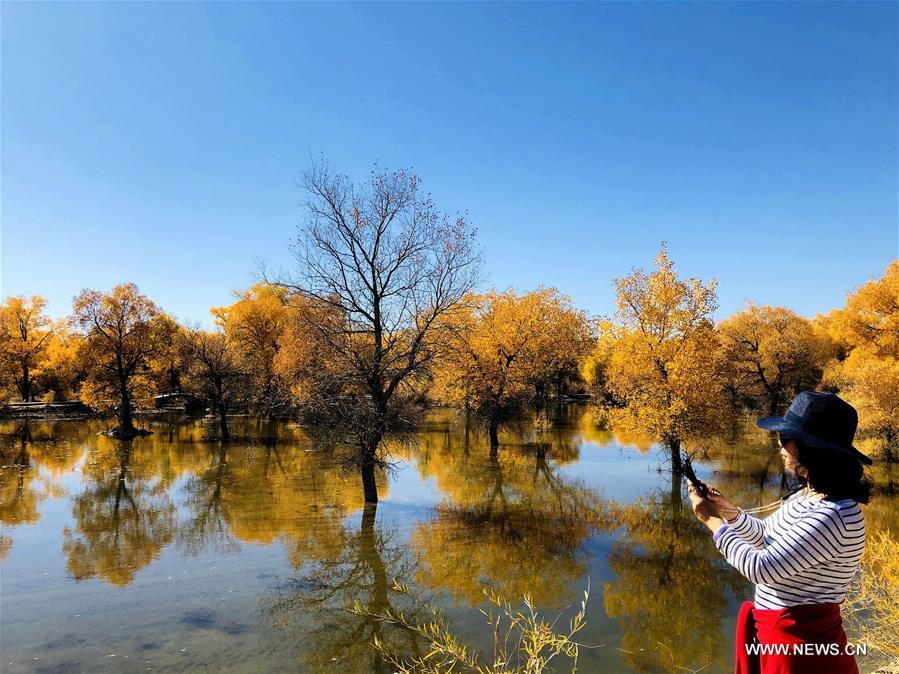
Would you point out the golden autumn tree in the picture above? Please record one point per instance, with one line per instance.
(503, 347)
(123, 334)
(390, 265)
(769, 355)
(872, 385)
(254, 324)
(594, 370)
(663, 366)
(312, 371)
(568, 339)
(870, 318)
(866, 369)
(25, 331)
(62, 370)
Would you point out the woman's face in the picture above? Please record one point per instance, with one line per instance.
(789, 454)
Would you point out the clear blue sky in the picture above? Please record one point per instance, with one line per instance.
(160, 143)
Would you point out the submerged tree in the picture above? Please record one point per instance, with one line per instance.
(214, 368)
(503, 348)
(125, 333)
(384, 265)
(663, 366)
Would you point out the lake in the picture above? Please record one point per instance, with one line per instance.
(176, 554)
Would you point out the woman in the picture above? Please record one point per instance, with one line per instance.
(802, 557)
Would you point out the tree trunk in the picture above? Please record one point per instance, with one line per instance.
(467, 445)
(369, 486)
(370, 555)
(677, 465)
(677, 499)
(126, 422)
(888, 454)
(25, 388)
(223, 421)
(494, 430)
(773, 405)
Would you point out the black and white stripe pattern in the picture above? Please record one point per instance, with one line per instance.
(805, 553)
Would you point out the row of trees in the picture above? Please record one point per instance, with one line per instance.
(666, 371)
(382, 318)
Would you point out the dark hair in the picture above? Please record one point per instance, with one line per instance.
(835, 474)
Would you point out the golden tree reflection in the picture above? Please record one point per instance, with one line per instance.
(123, 519)
(670, 593)
(506, 517)
(30, 465)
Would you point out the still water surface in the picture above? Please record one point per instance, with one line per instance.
(174, 554)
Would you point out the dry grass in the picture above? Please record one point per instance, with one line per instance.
(871, 610)
(524, 641)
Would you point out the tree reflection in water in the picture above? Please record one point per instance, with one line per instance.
(123, 518)
(207, 525)
(31, 458)
(314, 602)
(508, 517)
(670, 593)
(459, 517)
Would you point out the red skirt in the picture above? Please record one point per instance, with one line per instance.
(807, 639)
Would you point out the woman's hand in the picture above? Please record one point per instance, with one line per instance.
(724, 508)
(704, 509)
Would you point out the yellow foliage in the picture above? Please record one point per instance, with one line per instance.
(255, 324)
(596, 364)
(870, 318)
(303, 362)
(770, 354)
(504, 346)
(24, 335)
(871, 383)
(663, 365)
(59, 376)
(126, 338)
(867, 333)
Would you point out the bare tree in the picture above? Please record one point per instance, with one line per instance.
(380, 265)
(214, 368)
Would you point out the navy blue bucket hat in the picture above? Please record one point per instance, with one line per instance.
(821, 420)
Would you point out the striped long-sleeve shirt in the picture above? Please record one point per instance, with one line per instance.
(805, 553)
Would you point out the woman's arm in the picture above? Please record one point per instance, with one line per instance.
(814, 538)
(749, 528)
